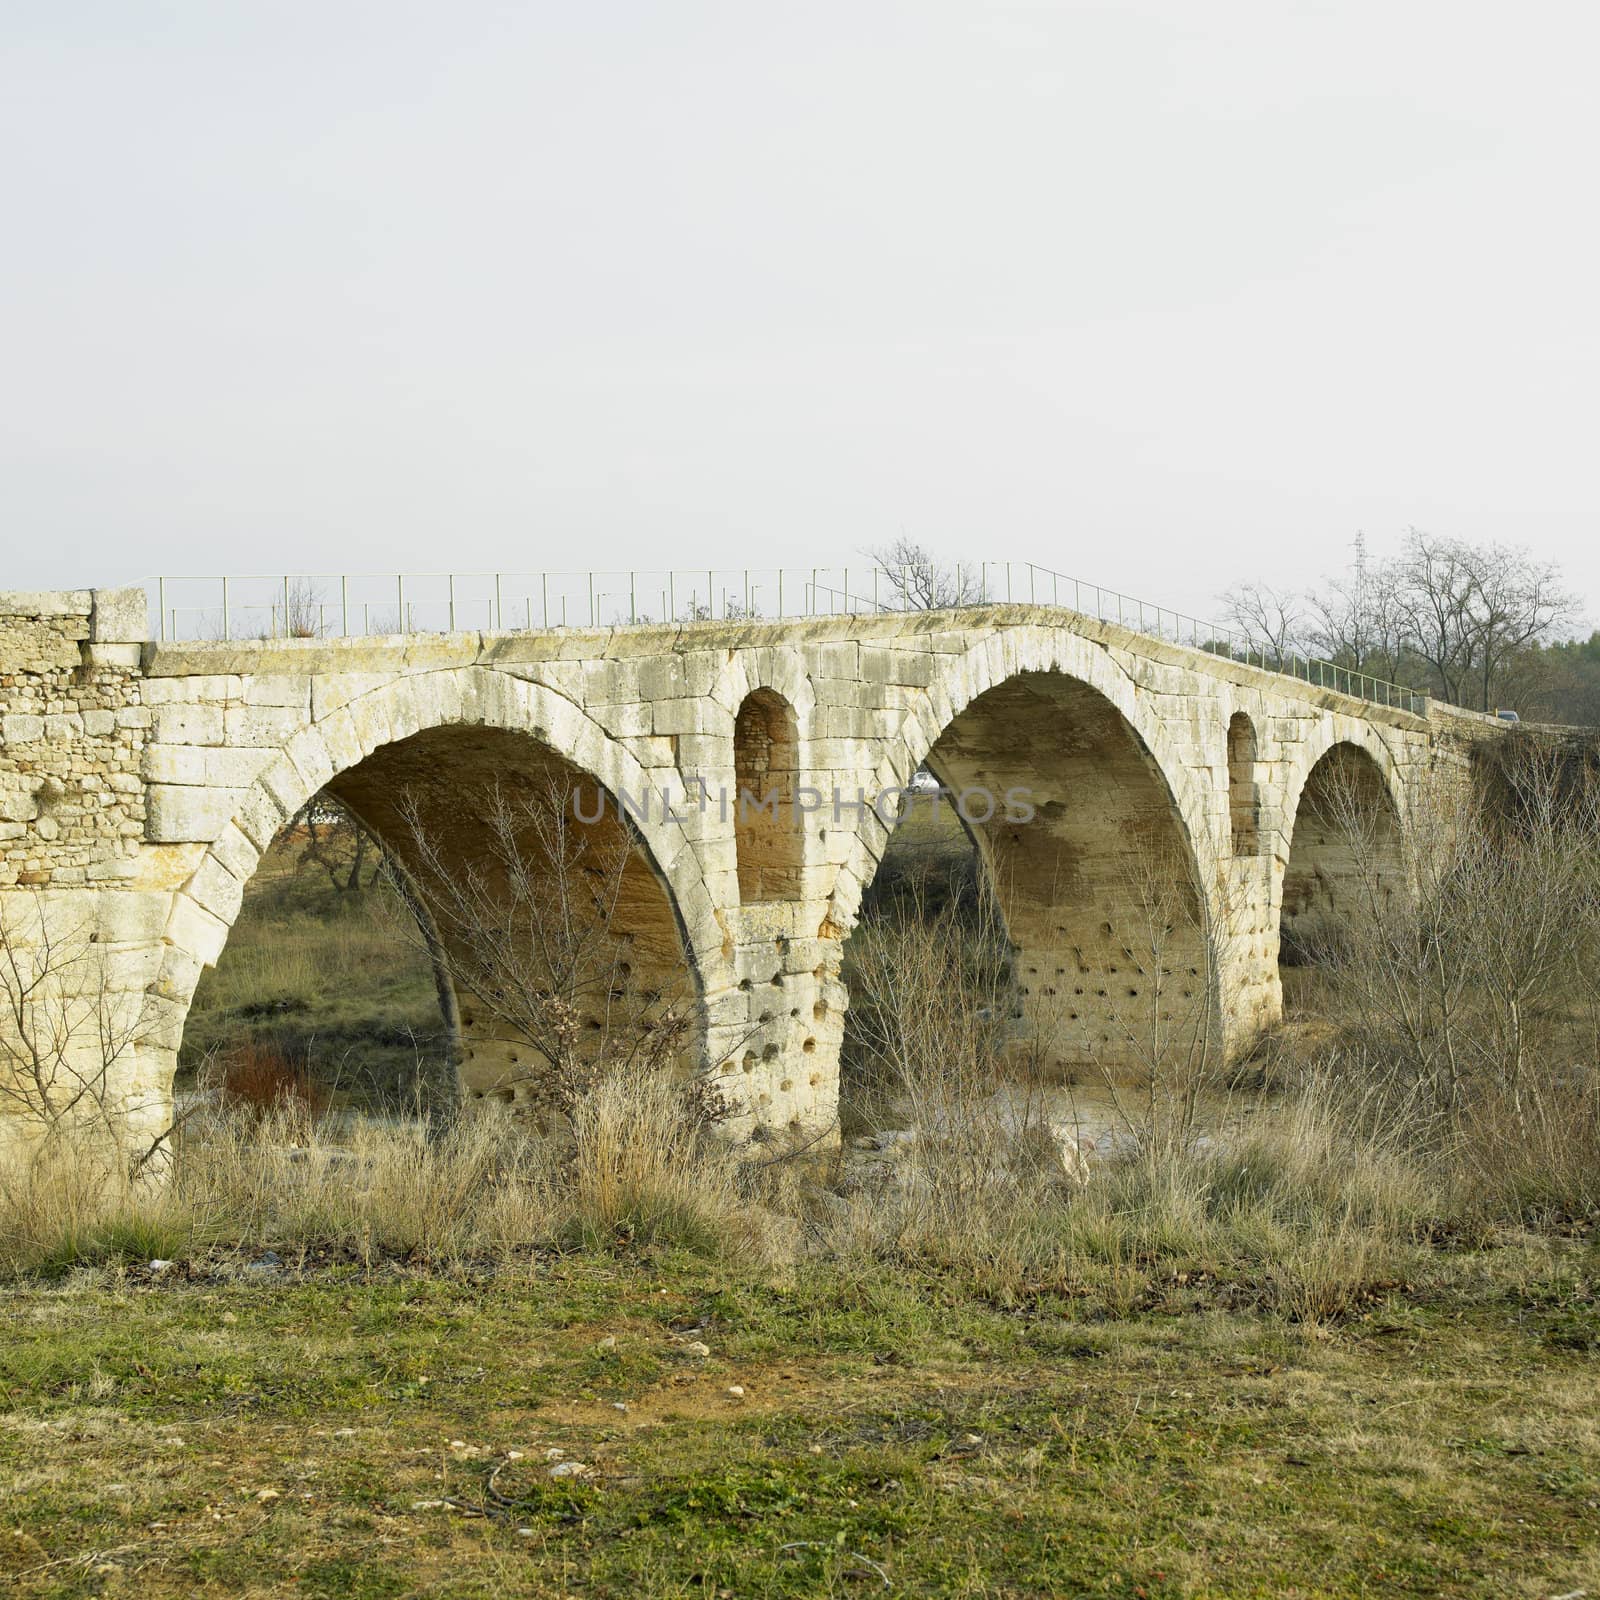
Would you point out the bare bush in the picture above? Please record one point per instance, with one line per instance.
(934, 1027)
(258, 1083)
(1466, 1007)
(530, 929)
(66, 1031)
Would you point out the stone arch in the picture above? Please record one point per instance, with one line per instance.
(1344, 853)
(475, 718)
(769, 845)
(1109, 892)
(1244, 788)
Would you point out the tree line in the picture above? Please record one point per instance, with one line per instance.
(1485, 626)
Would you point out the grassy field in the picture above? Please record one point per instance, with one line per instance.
(343, 1430)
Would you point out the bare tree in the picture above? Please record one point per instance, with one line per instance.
(529, 929)
(1270, 619)
(1469, 610)
(1358, 621)
(334, 840)
(919, 582)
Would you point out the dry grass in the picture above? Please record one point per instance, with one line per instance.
(479, 1188)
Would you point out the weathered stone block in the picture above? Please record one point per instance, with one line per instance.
(119, 616)
(187, 724)
(176, 813)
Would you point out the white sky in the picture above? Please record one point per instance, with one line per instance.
(1160, 293)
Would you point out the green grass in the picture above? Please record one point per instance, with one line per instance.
(202, 1435)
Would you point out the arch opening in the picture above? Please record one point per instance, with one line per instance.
(1092, 873)
(1346, 863)
(1244, 786)
(766, 761)
(554, 928)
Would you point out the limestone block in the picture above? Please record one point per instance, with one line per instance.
(175, 763)
(199, 689)
(287, 785)
(114, 869)
(19, 727)
(262, 813)
(277, 689)
(623, 721)
(178, 812)
(330, 691)
(235, 852)
(654, 752)
(181, 723)
(261, 725)
(114, 657)
(119, 616)
(709, 755)
(216, 890)
(193, 928)
(370, 714)
(131, 916)
(689, 716)
(342, 741)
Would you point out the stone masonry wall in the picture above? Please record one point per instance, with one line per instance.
(72, 733)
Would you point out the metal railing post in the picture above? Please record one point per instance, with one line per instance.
(633, 597)
(225, 633)
(286, 606)
(344, 605)
(544, 597)
(400, 602)
(591, 599)
(499, 623)
(450, 580)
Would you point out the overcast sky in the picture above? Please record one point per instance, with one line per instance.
(1161, 293)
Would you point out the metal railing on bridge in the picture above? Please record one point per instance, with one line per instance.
(341, 604)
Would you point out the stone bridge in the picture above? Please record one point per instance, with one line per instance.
(141, 782)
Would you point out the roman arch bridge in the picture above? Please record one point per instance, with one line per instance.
(141, 780)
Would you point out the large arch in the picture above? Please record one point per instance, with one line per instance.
(1109, 890)
(1344, 852)
(446, 739)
